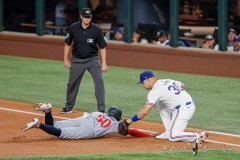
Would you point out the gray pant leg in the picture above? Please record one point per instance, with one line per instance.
(95, 70)
(76, 73)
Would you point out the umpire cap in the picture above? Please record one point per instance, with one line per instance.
(86, 12)
(115, 112)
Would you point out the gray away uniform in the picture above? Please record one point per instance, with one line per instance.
(91, 125)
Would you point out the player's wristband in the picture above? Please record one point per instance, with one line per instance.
(135, 118)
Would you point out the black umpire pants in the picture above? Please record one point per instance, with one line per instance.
(76, 73)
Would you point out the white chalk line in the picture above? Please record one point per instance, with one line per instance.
(225, 134)
(220, 133)
(207, 140)
(26, 112)
(152, 132)
(228, 144)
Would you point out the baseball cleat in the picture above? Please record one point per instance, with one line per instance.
(45, 107)
(162, 136)
(194, 148)
(200, 137)
(30, 125)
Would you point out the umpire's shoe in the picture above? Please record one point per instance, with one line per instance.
(66, 111)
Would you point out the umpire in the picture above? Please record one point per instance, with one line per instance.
(85, 38)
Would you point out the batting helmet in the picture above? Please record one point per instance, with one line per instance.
(115, 113)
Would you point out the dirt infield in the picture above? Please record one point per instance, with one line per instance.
(14, 142)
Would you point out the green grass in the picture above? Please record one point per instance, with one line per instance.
(178, 155)
(36, 80)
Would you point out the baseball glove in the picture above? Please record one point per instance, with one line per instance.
(123, 127)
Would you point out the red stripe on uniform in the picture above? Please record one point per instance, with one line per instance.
(172, 129)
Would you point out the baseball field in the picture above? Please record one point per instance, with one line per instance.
(25, 81)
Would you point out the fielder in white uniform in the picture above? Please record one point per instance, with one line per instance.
(175, 107)
(90, 125)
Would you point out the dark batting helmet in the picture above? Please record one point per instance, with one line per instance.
(115, 112)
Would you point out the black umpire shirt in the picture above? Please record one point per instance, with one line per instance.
(86, 41)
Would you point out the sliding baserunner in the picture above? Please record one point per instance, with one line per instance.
(91, 125)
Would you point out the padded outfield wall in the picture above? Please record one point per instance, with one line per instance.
(181, 60)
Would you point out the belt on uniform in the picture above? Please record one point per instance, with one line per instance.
(178, 106)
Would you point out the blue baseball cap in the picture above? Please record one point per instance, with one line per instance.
(118, 30)
(145, 75)
(236, 39)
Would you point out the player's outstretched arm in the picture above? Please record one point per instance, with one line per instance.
(141, 114)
